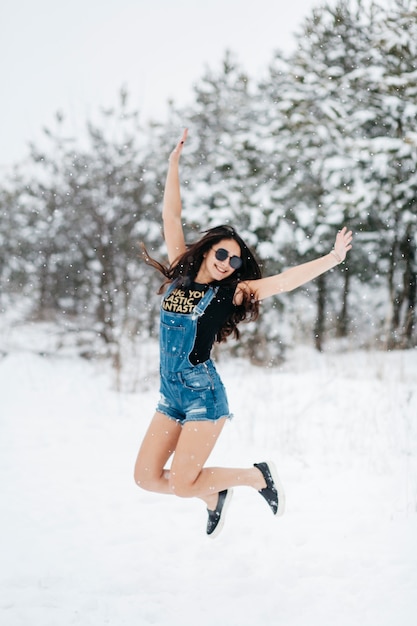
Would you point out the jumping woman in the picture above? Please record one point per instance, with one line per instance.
(210, 287)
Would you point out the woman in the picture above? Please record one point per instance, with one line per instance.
(212, 286)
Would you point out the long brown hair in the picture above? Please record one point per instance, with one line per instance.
(186, 267)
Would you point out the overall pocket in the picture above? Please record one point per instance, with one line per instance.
(172, 340)
(198, 378)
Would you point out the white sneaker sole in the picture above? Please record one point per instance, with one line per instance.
(279, 487)
(220, 525)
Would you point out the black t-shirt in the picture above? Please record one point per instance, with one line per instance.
(185, 299)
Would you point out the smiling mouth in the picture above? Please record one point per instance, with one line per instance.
(220, 270)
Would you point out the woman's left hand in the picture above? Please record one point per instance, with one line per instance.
(343, 243)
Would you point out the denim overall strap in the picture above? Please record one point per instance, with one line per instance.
(204, 302)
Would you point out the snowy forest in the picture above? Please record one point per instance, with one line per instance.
(326, 137)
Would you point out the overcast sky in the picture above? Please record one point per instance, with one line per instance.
(74, 56)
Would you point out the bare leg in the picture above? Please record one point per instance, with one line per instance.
(157, 447)
(188, 476)
(191, 445)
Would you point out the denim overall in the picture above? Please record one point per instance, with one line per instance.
(188, 392)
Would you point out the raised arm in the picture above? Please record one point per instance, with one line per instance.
(299, 275)
(171, 211)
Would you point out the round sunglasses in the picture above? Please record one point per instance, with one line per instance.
(221, 255)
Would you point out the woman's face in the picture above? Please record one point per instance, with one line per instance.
(218, 267)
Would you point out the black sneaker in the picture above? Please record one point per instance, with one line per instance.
(215, 520)
(274, 491)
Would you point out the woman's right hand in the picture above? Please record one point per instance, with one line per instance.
(174, 157)
(171, 210)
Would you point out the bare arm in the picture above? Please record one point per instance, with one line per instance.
(171, 211)
(296, 276)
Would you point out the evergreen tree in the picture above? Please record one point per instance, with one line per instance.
(331, 112)
(387, 151)
(11, 274)
(86, 209)
(309, 105)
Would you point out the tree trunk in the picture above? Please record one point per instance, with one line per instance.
(342, 318)
(320, 319)
(410, 289)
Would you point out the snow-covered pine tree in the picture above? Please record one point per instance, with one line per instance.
(309, 101)
(12, 273)
(41, 207)
(386, 149)
(86, 207)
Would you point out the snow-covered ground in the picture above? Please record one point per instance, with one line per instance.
(81, 544)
